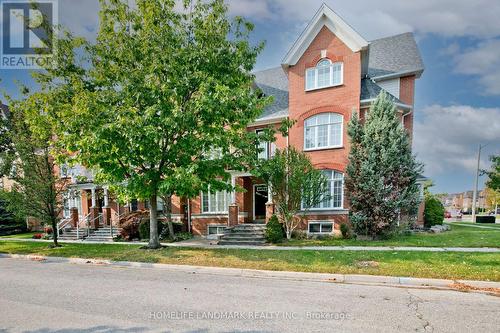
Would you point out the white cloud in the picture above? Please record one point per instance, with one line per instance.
(447, 137)
(483, 61)
(373, 19)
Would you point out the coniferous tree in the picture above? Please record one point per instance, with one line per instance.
(382, 172)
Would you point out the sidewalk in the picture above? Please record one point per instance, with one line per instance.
(206, 244)
(393, 281)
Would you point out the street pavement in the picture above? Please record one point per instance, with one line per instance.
(63, 297)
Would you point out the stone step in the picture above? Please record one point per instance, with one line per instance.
(242, 243)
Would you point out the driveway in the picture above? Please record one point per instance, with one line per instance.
(62, 297)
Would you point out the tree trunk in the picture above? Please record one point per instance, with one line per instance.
(154, 239)
(168, 215)
(54, 232)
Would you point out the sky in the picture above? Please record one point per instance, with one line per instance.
(457, 101)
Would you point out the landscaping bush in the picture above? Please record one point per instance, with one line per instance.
(274, 230)
(177, 230)
(48, 230)
(183, 236)
(434, 211)
(130, 224)
(144, 229)
(299, 234)
(37, 236)
(346, 231)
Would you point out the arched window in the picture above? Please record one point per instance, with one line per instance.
(334, 191)
(323, 131)
(325, 74)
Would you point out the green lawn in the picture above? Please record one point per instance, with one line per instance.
(472, 266)
(25, 235)
(459, 236)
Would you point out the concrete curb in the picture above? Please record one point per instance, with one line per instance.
(392, 281)
(282, 248)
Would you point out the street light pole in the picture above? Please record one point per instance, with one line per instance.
(476, 180)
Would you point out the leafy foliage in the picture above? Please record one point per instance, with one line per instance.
(37, 191)
(274, 230)
(434, 211)
(493, 181)
(159, 90)
(382, 172)
(346, 231)
(295, 185)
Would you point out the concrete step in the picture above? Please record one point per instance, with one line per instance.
(243, 235)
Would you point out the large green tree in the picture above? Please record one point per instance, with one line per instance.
(493, 181)
(382, 172)
(295, 184)
(37, 190)
(159, 92)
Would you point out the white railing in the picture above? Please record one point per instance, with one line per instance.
(86, 223)
(63, 223)
(118, 218)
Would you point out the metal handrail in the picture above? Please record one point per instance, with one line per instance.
(62, 224)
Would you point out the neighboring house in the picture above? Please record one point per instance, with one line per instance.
(330, 72)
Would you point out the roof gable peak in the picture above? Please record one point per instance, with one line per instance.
(325, 16)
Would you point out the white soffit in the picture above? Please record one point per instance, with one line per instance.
(325, 16)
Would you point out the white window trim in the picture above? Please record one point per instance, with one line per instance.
(321, 223)
(318, 209)
(341, 145)
(315, 69)
(210, 204)
(267, 151)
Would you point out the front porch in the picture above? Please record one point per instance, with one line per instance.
(212, 212)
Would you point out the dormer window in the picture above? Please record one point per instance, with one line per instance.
(325, 74)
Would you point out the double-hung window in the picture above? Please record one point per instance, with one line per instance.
(325, 74)
(323, 131)
(334, 191)
(214, 202)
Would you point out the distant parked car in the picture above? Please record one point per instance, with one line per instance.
(447, 215)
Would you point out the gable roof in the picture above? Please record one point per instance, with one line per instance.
(393, 56)
(325, 16)
(273, 82)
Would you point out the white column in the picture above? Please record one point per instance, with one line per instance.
(269, 194)
(233, 193)
(106, 199)
(93, 197)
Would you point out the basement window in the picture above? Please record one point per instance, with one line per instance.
(320, 227)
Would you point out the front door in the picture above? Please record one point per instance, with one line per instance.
(259, 200)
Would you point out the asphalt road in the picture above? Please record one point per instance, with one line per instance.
(62, 297)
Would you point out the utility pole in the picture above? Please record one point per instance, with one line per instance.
(476, 180)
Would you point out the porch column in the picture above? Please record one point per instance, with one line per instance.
(233, 192)
(94, 210)
(106, 210)
(269, 203)
(234, 210)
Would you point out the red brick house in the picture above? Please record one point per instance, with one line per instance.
(330, 72)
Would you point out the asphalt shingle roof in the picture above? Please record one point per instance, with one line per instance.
(370, 90)
(273, 82)
(394, 54)
(4, 110)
